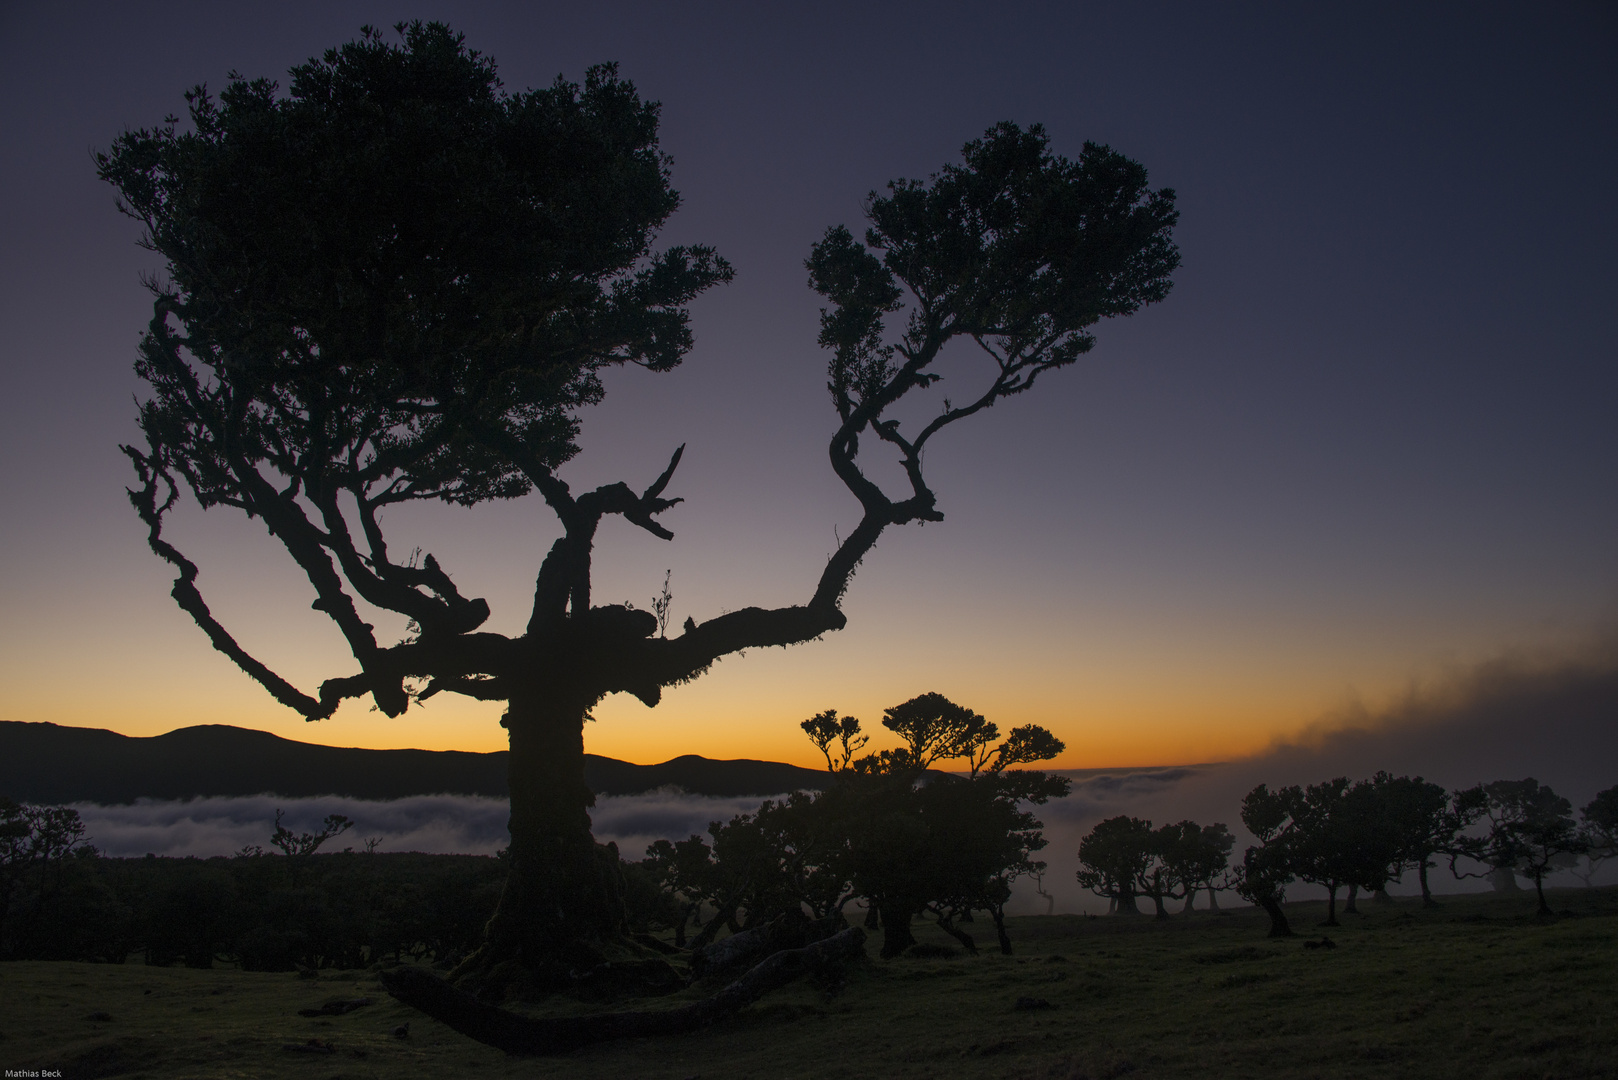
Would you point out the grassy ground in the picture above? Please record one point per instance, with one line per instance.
(1478, 989)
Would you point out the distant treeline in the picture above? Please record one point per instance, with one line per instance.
(59, 900)
(1354, 836)
(52, 764)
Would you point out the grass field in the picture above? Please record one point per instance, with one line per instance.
(1477, 989)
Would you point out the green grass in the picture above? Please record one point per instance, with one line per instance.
(1478, 989)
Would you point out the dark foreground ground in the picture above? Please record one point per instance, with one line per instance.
(1476, 989)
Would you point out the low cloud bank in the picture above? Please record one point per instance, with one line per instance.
(463, 824)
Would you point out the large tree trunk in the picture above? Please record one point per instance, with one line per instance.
(1426, 892)
(1331, 906)
(1279, 927)
(1162, 909)
(1213, 898)
(947, 924)
(896, 935)
(999, 913)
(1352, 906)
(560, 919)
(1539, 887)
(1124, 904)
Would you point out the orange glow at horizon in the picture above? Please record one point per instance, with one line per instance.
(710, 718)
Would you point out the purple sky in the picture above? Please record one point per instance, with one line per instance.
(1367, 440)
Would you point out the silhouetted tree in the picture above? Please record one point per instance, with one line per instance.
(398, 282)
(1599, 830)
(1425, 821)
(912, 842)
(1531, 831)
(1113, 857)
(685, 870)
(298, 847)
(1332, 834)
(1267, 867)
(1373, 845)
(1199, 858)
(38, 845)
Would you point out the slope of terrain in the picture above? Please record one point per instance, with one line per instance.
(50, 763)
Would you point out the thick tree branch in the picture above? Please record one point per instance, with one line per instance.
(185, 591)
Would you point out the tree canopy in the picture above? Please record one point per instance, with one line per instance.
(393, 282)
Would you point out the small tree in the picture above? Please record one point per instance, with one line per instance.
(36, 846)
(300, 847)
(1600, 830)
(1114, 857)
(1267, 867)
(397, 282)
(910, 841)
(1199, 858)
(1531, 832)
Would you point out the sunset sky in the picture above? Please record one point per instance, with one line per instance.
(1370, 439)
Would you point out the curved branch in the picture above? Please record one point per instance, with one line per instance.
(186, 594)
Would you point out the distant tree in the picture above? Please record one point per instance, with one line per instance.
(1332, 834)
(685, 870)
(37, 846)
(827, 729)
(1374, 846)
(298, 847)
(397, 282)
(912, 842)
(1113, 859)
(1425, 820)
(1267, 867)
(1199, 859)
(1599, 830)
(1531, 832)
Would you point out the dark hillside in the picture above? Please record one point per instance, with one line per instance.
(49, 763)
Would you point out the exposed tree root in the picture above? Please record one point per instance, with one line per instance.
(528, 1035)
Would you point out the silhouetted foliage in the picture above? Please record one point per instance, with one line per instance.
(49, 899)
(1531, 830)
(1424, 820)
(1267, 868)
(1113, 858)
(1196, 858)
(1599, 830)
(907, 841)
(1123, 858)
(395, 281)
(1332, 834)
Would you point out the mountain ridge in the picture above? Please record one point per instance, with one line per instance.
(43, 762)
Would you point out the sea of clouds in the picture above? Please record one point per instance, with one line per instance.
(1555, 722)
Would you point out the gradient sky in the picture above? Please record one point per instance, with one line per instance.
(1368, 440)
